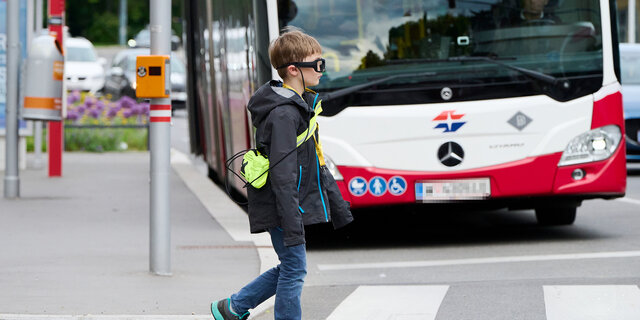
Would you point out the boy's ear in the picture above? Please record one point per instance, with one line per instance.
(292, 71)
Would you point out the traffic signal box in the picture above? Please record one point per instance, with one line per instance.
(153, 78)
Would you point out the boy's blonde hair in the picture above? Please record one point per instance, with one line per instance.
(293, 45)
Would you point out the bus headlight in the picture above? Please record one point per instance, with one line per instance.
(597, 144)
(332, 168)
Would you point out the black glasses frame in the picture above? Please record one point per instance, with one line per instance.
(318, 65)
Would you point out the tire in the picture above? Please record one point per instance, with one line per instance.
(556, 216)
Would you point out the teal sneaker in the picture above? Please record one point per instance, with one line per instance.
(221, 310)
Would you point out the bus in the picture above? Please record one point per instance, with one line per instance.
(509, 103)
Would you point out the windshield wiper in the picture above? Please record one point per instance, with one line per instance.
(495, 60)
(349, 90)
(527, 72)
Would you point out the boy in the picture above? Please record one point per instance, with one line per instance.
(299, 189)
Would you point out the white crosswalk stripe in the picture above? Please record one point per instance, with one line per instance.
(592, 302)
(391, 302)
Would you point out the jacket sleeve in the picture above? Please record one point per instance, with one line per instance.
(283, 175)
(340, 209)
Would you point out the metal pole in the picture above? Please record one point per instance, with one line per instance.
(11, 174)
(631, 26)
(160, 139)
(123, 22)
(37, 134)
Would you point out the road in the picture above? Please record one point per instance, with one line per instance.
(446, 265)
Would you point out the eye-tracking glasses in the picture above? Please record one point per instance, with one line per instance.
(318, 65)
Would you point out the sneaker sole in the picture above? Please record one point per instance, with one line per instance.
(214, 312)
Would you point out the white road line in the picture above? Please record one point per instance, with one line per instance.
(455, 262)
(629, 200)
(100, 317)
(592, 302)
(232, 219)
(391, 302)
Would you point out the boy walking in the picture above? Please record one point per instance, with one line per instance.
(299, 190)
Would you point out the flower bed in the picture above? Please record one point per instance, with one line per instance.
(97, 124)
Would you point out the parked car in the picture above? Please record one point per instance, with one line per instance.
(84, 70)
(143, 39)
(630, 69)
(121, 77)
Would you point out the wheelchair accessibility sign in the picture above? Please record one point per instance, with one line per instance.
(358, 186)
(397, 185)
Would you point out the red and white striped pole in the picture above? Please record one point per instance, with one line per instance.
(160, 112)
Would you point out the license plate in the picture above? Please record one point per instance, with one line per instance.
(445, 190)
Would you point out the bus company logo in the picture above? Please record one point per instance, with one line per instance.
(449, 121)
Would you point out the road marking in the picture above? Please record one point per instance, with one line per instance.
(391, 302)
(101, 317)
(592, 302)
(455, 262)
(629, 200)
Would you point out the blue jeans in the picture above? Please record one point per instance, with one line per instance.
(284, 280)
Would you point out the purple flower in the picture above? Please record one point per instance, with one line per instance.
(72, 115)
(95, 113)
(73, 97)
(112, 112)
(100, 105)
(80, 110)
(127, 102)
(127, 113)
(145, 108)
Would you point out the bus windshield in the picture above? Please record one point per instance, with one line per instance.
(365, 40)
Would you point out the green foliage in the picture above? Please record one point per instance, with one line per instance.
(98, 140)
(102, 28)
(102, 140)
(98, 20)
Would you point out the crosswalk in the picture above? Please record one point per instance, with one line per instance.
(561, 302)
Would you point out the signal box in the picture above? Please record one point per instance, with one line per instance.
(153, 78)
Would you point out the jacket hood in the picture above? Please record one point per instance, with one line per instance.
(271, 95)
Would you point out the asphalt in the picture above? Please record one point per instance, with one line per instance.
(78, 245)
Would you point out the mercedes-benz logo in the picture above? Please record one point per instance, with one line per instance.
(450, 154)
(446, 93)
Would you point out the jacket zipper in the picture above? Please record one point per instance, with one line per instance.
(300, 180)
(326, 216)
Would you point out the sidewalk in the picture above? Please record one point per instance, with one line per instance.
(79, 244)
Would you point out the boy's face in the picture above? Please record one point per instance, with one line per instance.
(311, 77)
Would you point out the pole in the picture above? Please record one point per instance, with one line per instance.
(11, 174)
(56, 128)
(37, 135)
(631, 26)
(123, 22)
(160, 139)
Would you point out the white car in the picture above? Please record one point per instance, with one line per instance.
(84, 70)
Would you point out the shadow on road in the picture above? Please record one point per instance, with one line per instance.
(411, 227)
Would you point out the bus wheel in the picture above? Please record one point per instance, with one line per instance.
(557, 216)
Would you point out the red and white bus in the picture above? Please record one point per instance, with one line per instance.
(512, 103)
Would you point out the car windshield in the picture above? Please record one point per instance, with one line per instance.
(630, 67)
(81, 54)
(364, 40)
